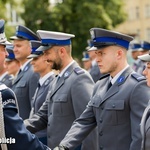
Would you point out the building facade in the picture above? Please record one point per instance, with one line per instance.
(138, 19)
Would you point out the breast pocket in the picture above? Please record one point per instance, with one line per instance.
(61, 105)
(21, 88)
(115, 112)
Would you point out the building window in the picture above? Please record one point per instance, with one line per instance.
(137, 12)
(148, 34)
(138, 32)
(13, 18)
(134, 13)
(147, 11)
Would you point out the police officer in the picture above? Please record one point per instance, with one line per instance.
(145, 50)
(44, 68)
(117, 109)
(69, 94)
(13, 133)
(94, 70)
(26, 81)
(145, 122)
(86, 61)
(5, 77)
(13, 65)
(136, 49)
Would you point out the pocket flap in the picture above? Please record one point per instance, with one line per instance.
(115, 105)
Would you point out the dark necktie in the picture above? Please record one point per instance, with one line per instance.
(19, 72)
(109, 85)
(58, 77)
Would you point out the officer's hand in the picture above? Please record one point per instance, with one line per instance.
(61, 147)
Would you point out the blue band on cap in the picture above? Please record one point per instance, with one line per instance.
(135, 46)
(56, 42)
(11, 56)
(25, 35)
(117, 41)
(146, 46)
(34, 48)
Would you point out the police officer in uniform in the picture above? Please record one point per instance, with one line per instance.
(13, 133)
(94, 70)
(118, 100)
(145, 122)
(86, 61)
(44, 68)
(5, 77)
(26, 81)
(13, 65)
(145, 50)
(68, 96)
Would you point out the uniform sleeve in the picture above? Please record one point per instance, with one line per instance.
(33, 82)
(39, 120)
(15, 130)
(81, 92)
(138, 103)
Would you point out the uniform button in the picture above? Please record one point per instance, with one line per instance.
(101, 147)
(101, 133)
(113, 106)
(48, 124)
(102, 108)
(50, 113)
(101, 120)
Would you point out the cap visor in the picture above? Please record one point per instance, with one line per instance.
(93, 48)
(145, 57)
(17, 38)
(43, 48)
(85, 59)
(32, 56)
(6, 43)
(8, 60)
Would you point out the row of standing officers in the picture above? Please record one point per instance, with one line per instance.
(107, 113)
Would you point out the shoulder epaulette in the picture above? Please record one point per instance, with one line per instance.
(137, 76)
(78, 70)
(104, 76)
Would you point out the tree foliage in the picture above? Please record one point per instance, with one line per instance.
(75, 17)
(37, 14)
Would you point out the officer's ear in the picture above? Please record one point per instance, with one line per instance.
(62, 51)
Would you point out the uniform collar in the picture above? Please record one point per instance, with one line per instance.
(45, 77)
(63, 71)
(3, 75)
(114, 79)
(24, 65)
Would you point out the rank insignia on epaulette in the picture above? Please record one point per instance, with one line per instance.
(138, 77)
(78, 70)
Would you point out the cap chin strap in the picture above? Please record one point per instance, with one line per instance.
(2, 127)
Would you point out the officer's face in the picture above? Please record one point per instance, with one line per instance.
(146, 73)
(108, 59)
(13, 67)
(41, 69)
(21, 49)
(3, 55)
(52, 55)
(87, 64)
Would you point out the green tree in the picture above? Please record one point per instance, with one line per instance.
(75, 17)
(8, 30)
(37, 14)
